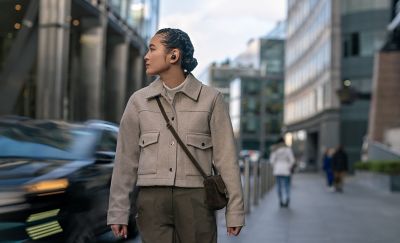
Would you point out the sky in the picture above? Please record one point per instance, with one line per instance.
(220, 29)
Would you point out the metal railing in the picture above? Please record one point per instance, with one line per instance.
(258, 180)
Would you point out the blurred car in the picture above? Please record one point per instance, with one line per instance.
(55, 179)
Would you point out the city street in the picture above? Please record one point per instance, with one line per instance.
(359, 215)
(87, 88)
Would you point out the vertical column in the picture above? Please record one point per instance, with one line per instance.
(329, 132)
(336, 53)
(140, 78)
(89, 92)
(74, 75)
(246, 189)
(136, 78)
(116, 79)
(263, 117)
(307, 150)
(52, 57)
(256, 180)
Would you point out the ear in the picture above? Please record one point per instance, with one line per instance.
(174, 55)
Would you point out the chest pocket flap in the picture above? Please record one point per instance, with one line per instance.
(201, 141)
(148, 138)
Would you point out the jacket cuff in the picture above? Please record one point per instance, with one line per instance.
(117, 217)
(234, 219)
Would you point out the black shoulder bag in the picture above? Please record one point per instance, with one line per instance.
(216, 193)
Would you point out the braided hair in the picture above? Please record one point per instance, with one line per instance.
(176, 38)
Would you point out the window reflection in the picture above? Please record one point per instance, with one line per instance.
(46, 140)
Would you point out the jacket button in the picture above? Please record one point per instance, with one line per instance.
(143, 142)
(173, 118)
(203, 144)
(170, 169)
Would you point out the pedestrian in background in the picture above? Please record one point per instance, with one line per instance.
(171, 201)
(328, 168)
(282, 160)
(340, 167)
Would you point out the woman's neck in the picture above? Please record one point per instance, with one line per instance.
(173, 78)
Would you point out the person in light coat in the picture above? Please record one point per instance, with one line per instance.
(171, 201)
(283, 162)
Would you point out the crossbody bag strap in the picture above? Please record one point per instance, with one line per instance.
(178, 139)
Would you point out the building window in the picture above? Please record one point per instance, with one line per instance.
(355, 47)
(250, 124)
(273, 108)
(251, 105)
(346, 47)
(273, 126)
(351, 45)
(371, 41)
(353, 6)
(251, 87)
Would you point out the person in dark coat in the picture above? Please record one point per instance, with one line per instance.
(340, 166)
(327, 166)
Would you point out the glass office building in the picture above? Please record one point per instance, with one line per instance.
(330, 46)
(256, 101)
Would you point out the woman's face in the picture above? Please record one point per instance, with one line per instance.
(156, 58)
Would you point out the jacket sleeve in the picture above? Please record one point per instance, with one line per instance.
(125, 166)
(226, 161)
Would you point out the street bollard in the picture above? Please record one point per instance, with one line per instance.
(246, 185)
(261, 168)
(268, 176)
(255, 181)
(271, 177)
(263, 177)
(259, 179)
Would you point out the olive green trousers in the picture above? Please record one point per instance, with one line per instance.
(175, 215)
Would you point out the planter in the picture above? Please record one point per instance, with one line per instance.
(379, 181)
(395, 183)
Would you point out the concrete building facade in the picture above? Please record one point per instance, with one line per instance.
(73, 59)
(220, 76)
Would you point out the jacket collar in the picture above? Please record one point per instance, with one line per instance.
(192, 88)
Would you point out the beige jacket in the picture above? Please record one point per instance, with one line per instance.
(148, 154)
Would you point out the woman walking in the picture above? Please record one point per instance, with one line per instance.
(282, 161)
(171, 200)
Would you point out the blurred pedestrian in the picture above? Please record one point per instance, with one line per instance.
(171, 200)
(340, 167)
(328, 168)
(283, 162)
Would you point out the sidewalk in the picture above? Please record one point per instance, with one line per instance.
(359, 215)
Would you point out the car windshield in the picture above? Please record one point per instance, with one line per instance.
(46, 141)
